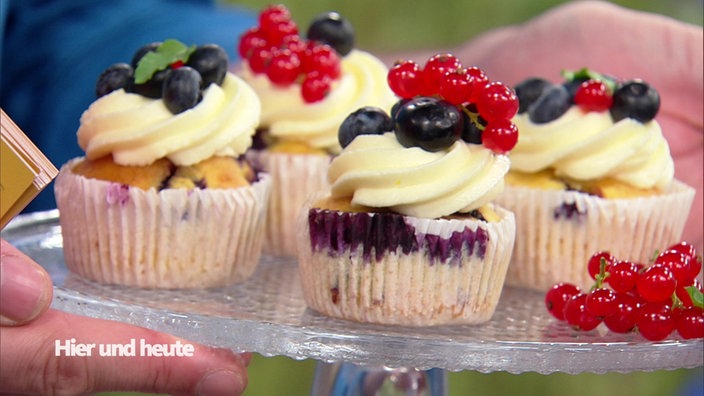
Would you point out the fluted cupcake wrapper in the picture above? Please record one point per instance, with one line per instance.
(294, 178)
(173, 238)
(558, 231)
(421, 284)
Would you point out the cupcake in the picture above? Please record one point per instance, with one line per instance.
(407, 233)
(591, 172)
(163, 197)
(307, 86)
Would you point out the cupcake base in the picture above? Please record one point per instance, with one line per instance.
(433, 272)
(557, 231)
(173, 238)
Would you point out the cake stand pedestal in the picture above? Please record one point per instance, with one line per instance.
(267, 315)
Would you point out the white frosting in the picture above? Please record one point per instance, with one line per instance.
(138, 130)
(288, 116)
(377, 171)
(590, 146)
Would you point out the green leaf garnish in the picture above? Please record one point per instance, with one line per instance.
(696, 296)
(168, 52)
(588, 74)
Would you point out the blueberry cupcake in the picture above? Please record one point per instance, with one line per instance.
(407, 233)
(308, 83)
(591, 171)
(164, 197)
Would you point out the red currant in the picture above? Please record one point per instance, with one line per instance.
(405, 79)
(695, 261)
(557, 297)
(323, 59)
(478, 80)
(623, 320)
(284, 68)
(656, 284)
(577, 316)
(690, 323)
(273, 15)
(276, 34)
(593, 95)
(594, 263)
(500, 136)
(250, 40)
(622, 276)
(259, 60)
(601, 302)
(315, 87)
(296, 44)
(434, 69)
(655, 320)
(497, 102)
(456, 87)
(676, 262)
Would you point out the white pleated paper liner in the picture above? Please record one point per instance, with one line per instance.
(173, 238)
(403, 270)
(557, 231)
(294, 178)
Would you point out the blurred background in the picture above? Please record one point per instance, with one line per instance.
(402, 25)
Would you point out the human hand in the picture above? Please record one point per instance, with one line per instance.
(29, 331)
(617, 41)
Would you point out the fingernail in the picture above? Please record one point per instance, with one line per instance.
(22, 290)
(222, 382)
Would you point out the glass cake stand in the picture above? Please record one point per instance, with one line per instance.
(267, 315)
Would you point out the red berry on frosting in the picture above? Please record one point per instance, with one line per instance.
(315, 87)
(250, 40)
(593, 95)
(284, 68)
(323, 59)
(259, 60)
(273, 15)
(405, 79)
(500, 136)
(434, 70)
(456, 87)
(497, 101)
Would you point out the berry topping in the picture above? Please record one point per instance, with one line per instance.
(627, 297)
(593, 95)
(486, 107)
(211, 62)
(553, 102)
(151, 47)
(528, 91)
(182, 89)
(113, 78)
(430, 123)
(151, 88)
(637, 100)
(332, 29)
(275, 48)
(365, 121)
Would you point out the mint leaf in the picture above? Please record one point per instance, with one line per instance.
(168, 52)
(696, 296)
(588, 74)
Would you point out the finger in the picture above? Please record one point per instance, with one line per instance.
(25, 288)
(30, 364)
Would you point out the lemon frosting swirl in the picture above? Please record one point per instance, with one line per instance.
(590, 146)
(287, 116)
(138, 130)
(377, 171)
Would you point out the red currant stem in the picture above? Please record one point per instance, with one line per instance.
(696, 295)
(472, 116)
(602, 275)
(655, 256)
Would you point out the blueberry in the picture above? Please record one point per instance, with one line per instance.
(113, 78)
(528, 91)
(142, 51)
(552, 103)
(181, 89)
(364, 121)
(635, 99)
(429, 123)
(333, 29)
(151, 88)
(211, 62)
(396, 106)
(471, 132)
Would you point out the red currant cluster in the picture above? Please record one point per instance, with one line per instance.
(276, 49)
(490, 104)
(593, 95)
(656, 300)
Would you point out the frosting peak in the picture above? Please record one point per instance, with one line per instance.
(138, 130)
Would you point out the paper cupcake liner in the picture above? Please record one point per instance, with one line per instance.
(558, 231)
(417, 288)
(173, 238)
(294, 178)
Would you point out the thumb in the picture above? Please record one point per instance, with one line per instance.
(25, 288)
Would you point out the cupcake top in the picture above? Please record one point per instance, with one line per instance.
(442, 151)
(308, 86)
(592, 127)
(172, 102)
